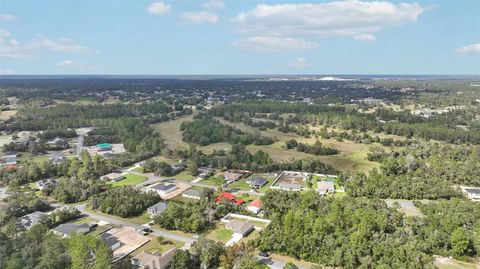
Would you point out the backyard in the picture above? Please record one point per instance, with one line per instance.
(130, 179)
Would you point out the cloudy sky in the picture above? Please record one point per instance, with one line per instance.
(239, 37)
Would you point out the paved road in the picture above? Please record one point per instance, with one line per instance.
(166, 234)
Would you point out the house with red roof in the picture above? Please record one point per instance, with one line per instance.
(255, 206)
(230, 197)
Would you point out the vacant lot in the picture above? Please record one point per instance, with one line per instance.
(129, 180)
(170, 132)
(156, 245)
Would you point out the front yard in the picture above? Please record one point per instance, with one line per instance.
(130, 179)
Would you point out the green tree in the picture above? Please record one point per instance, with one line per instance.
(461, 242)
(290, 265)
(88, 252)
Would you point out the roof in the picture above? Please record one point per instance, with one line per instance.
(256, 203)
(472, 190)
(228, 196)
(154, 260)
(55, 155)
(232, 175)
(31, 219)
(240, 227)
(191, 192)
(70, 228)
(164, 187)
(257, 180)
(11, 153)
(158, 208)
(325, 185)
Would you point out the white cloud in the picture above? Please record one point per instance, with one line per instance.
(213, 4)
(364, 37)
(76, 65)
(159, 8)
(7, 17)
(6, 71)
(351, 18)
(299, 63)
(274, 44)
(469, 49)
(12, 48)
(200, 17)
(4, 33)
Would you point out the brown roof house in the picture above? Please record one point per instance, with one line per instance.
(154, 260)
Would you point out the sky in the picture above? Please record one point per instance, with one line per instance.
(215, 37)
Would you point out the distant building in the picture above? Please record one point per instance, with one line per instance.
(192, 194)
(239, 227)
(67, 229)
(153, 260)
(10, 154)
(230, 197)
(324, 187)
(112, 177)
(46, 183)
(31, 219)
(472, 193)
(255, 206)
(111, 241)
(204, 172)
(162, 188)
(157, 208)
(56, 158)
(232, 176)
(58, 143)
(256, 182)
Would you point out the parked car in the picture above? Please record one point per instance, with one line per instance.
(92, 226)
(147, 230)
(263, 254)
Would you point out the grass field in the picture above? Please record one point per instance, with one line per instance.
(352, 155)
(455, 264)
(155, 246)
(130, 179)
(184, 175)
(5, 115)
(213, 181)
(220, 234)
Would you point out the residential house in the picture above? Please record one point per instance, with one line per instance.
(112, 177)
(239, 227)
(56, 158)
(255, 206)
(256, 182)
(157, 208)
(324, 187)
(163, 188)
(31, 219)
(232, 176)
(230, 197)
(111, 241)
(204, 171)
(58, 142)
(10, 154)
(67, 229)
(192, 194)
(472, 193)
(9, 162)
(46, 183)
(154, 260)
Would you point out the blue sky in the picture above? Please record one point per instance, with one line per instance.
(239, 37)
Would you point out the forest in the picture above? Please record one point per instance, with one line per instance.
(359, 232)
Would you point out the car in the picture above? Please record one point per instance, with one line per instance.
(195, 236)
(147, 230)
(92, 226)
(263, 254)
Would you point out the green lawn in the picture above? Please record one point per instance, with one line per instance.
(214, 181)
(184, 175)
(84, 220)
(139, 169)
(130, 179)
(220, 234)
(247, 197)
(155, 246)
(241, 184)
